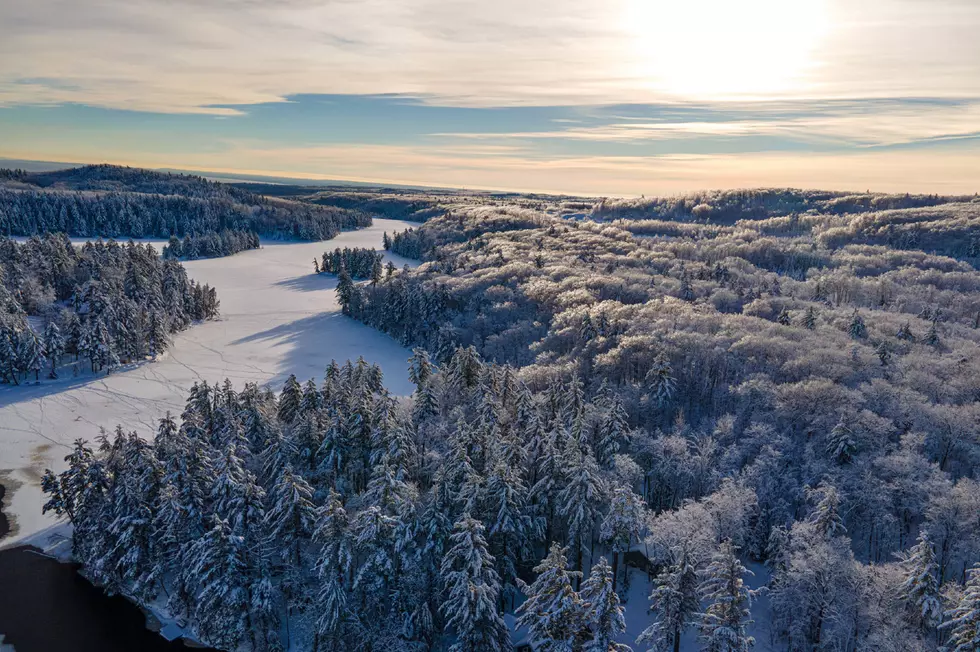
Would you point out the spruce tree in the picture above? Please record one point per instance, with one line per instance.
(840, 445)
(661, 380)
(674, 603)
(54, 346)
(826, 516)
(604, 613)
(220, 569)
(291, 516)
(345, 290)
(580, 500)
(920, 590)
(724, 621)
(553, 612)
(621, 525)
(472, 590)
(289, 400)
(963, 620)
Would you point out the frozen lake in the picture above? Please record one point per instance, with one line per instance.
(277, 318)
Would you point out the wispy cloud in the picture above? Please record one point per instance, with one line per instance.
(193, 55)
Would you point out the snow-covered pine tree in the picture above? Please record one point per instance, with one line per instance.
(675, 603)
(963, 620)
(579, 501)
(660, 380)
(809, 320)
(826, 516)
(220, 569)
(857, 328)
(621, 525)
(291, 516)
(345, 289)
(724, 620)
(604, 613)
(54, 346)
(30, 353)
(553, 612)
(613, 432)
(420, 367)
(157, 336)
(920, 590)
(472, 590)
(841, 446)
(289, 400)
(511, 527)
(311, 400)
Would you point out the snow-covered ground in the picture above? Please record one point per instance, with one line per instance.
(277, 318)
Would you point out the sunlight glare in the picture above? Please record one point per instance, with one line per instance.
(713, 49)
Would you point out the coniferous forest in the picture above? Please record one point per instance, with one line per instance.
(103, 302)
(112, 201)
(210, 245)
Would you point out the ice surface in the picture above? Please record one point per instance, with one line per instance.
(277, 318)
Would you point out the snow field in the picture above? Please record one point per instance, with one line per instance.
(277, 318)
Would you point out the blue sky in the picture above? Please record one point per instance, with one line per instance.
(616, 97)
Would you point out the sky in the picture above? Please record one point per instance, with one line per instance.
(598, 97)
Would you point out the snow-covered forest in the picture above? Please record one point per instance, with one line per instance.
(357, 263)
(210, 245)
(104, 302)
(696, 395)
(112, 201)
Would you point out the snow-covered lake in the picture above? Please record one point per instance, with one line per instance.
(277, 318)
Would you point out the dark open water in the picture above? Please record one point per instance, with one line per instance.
(46, 606)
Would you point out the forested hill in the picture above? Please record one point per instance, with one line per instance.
(113, 201)
(804, 359)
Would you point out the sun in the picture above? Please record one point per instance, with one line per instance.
(714, 49)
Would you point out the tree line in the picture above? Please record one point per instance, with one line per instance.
(357, 263)
(110, 201)
(210, 245)
(104, 302)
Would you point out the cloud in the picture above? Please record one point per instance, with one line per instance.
(194, 55)
(843, 124)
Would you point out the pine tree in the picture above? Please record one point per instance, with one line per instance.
(809, 320)
(420, 368)
(220, 568)
(661, 380)
(30, 353)
(905, 333)
(622, 524)
(8, 357)
(675, 603)
(724, 621)
(511, 527)
(857, 329)
(289, 400)
(159, 340)
(920, 590)
(963, 621)
(884, 353)
(604, 613)
(291, 516)
(783, 317)
(826, 516)
(553, 612)
(932, 335)
(54, 346)
(840, 445)
(472, 588)
(579, 501)
(345, 290)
